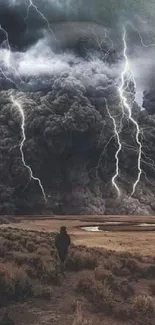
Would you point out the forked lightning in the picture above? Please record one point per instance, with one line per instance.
(126, 73)
(116, 132)
(18, 107)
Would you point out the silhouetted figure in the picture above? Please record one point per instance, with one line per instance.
(62, 242)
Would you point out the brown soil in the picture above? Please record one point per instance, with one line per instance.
(60, 310)
(142, 242)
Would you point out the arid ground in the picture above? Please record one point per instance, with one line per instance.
(109, 279)
(141, 241)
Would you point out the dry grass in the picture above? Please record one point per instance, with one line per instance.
(26, 266)
(116, 285)
(79, 318)
(140, 242)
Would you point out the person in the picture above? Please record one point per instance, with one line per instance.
(62, 243)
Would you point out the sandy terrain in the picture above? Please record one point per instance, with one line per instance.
(132, 241)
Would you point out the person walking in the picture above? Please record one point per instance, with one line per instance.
(62, 243)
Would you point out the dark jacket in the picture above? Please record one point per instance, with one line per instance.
(62, 242)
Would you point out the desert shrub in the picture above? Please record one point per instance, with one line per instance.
(85, 283)
(79, 318)
(125, 289)
(14, 283)
(30, 246)
(6, 320)
(143, 309)
(97, 293)
(152, 288)
(122, 311)
(43, 250)
(81, 260)
(150, 271)
(125, 267)
(42, 291)
(119, 286)
(115, 266)
(48, 272)
(102, 274)
(3, 249)
(23, 258)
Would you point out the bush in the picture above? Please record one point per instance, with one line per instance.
(6, 320)
(81, 260)
(152, 288)
(30, 247)
(97, 293)
(122, 312)
(14, 283)
(79, 318)
(143, 310)
(102, 274)
(41, 291)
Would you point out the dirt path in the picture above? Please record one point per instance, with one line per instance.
(60, 310)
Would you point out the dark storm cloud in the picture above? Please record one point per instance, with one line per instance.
(67, 71)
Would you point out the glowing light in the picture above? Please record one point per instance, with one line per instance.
(18, 107)
(126, 73)
(116, 132)
(141, 38)
(7, 59)
(32, 5)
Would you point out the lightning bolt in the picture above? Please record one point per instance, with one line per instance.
(141, 38)
(116, 132)
(7, 59)
(32, 5)
(18, 106)
(126, 107)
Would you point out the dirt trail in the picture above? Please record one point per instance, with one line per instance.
(60, 310)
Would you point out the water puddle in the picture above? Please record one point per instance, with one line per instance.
(111, 223)
(91, 228)
(123, 226)
(146, 225)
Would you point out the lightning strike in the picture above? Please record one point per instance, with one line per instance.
(126, 73)
(22, 115)
(141, 38)
(116, 133)
(7, 58)
(32, 5)
(18, 106)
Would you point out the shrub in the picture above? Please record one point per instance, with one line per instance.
(81, 260)
(14, 283)
(143, 310)
(43, 251)
(102, 274)
(41, 291)
(30, 247)
(152, 288)
(121, 287)
(79, 318)
(150, 271)
(99, 294)
(49, 273)
(6, 320)
(122, 312)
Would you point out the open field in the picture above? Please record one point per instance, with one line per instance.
(101, 287)
(142, 242)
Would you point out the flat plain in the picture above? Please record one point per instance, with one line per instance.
(109, 278)
(133, 239)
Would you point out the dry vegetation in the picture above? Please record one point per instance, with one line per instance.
(118, 286)
(142, 242)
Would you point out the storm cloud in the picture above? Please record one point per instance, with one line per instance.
(62, 62)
